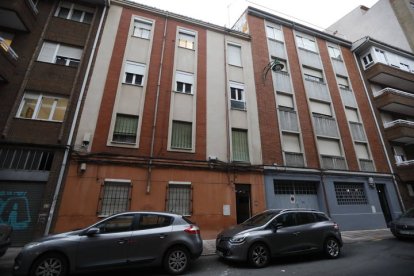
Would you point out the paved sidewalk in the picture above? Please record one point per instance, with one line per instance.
(347, 237)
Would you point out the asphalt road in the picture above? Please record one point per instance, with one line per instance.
(381, 257)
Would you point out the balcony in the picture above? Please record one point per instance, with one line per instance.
(339, 67)
(396, 101)
(401, 131)
(390, 76)
(239, 105)
(288, 120)
(281, 81)
(8, 60)
(294, 159)
(366, 165)
(325, 126)
(405, 169)
(357, 130)
(18, 15)
(277, 49)
(317, 90)
(310, 58)
(333, 162)
(348, 97)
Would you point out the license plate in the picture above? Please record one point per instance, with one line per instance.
(406, 232)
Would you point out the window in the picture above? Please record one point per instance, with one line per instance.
(305, 218)
(186, 40)
(350, 193)
(181, 135)
(134, 73)
(380, 54)
(367, 60)
(237, 96)
(306, 43)
(294, 187)
(321, 108)
(122, 223)
(150, 221)
(179, 197)
(352, 114)
(342, 82)
(285, 101)
(287, 220)
(57, 53)
(125, 130)
(362, 151)
(291, 142)
(399, 154)
(142, 28)
(42, 107)
(334, 52)
(25, 159)
(234, 55)
(274, 33)
(184, 82)
(240, 145)
(329, 147)
(115, 197)
(75, 12)
(312, 74)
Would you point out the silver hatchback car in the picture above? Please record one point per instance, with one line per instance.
(279, 232)
(122, 240)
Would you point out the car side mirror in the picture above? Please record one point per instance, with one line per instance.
(92, 231)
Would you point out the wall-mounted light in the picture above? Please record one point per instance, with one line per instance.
(275, 65)
(371, 183)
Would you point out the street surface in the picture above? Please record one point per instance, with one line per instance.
(379, 257)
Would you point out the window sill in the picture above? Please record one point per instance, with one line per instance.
(185, 93)
(181, 150)
(239, 109)
(191, 49)
(237, 66)
(307, 50)
(131, 84)
(144, 38)
(38, 120)
(276, 40)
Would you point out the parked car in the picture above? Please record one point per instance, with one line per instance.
(280, 232)
(5, 237)
(122, 240)
(403, 227)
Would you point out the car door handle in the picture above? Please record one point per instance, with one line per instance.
(163, 236)
(122, 241)
(296, 233)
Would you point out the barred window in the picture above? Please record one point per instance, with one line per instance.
(297, 187)
(25, 159)
(115, 197)
(350, 193)
(181, 135)
(179, 198)
(125, 130)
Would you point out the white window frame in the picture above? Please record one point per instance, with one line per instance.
(306, 43)
(186, 79)
(334, 52)
(142, 28)
(186, 39)
(182, 209)
(135, 69)
(72, 7)
(38, 98)
(314, 75)
(274, 33)
(239, 95)
(46, 55)
(234, 54)
(343, 82)
(367, 60)
(180, 147)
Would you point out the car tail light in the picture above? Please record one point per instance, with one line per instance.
(192, 230)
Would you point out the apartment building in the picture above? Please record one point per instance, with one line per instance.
(45, 50)
(321, 146)
(169, 123)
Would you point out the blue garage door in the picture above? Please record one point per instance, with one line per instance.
(295, 194)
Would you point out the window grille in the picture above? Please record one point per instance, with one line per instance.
(115, 197)
(181, 136)
(294, 187)
(125, 130)
(350, 194)
(179, 199)
(25, 159)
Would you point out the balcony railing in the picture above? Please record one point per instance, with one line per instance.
(317, 90)
(25, 159)
(325, 126)
(288, 120)
(366, 165)
(399, 122)
(339, 66)
(348, 97)
(333, 162)
(405, 163)
(282, 81)
(310, 58)
(33, 6)
(239, 105)
(277, 49)
(393, 91)
(294, 159)
(9, 51)
(357, 130)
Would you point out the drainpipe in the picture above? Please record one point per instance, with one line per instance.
(148, 190)
(72, 130)
(382, 140)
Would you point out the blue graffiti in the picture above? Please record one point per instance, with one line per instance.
(14, 209)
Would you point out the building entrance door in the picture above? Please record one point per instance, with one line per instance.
(384, 202)
(243, 209)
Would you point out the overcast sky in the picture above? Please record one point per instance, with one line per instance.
(319, 13)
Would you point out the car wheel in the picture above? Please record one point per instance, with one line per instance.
(259, 255)
(176, 260)
(332, 248)
(51, 264)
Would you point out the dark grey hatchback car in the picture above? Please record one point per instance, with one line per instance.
(280, 232)
(126, 239)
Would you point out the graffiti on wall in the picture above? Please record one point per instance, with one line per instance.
(14, 209)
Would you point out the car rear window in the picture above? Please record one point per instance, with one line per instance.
(148, 221)
(321, 217)
(187, 220)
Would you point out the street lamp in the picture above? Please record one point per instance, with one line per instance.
(275, 65)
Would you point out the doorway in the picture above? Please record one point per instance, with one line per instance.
(384, 202)
(243, 209)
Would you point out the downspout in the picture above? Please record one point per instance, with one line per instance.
(226, 95)
(379, 132)
(148, 190)
(72, 130)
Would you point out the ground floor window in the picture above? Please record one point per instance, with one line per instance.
(350, 193)
(179, 198)
(115, 197)
(291, 187)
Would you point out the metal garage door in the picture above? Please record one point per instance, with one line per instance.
(295, 194)
(19, 207)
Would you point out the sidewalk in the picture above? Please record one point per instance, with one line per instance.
(347, 237)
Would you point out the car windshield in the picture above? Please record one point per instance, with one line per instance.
(409, 214)
(260, 219)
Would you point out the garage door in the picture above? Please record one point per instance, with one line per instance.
(19, 207)
(295, 194)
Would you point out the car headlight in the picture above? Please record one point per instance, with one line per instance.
(239, 238)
